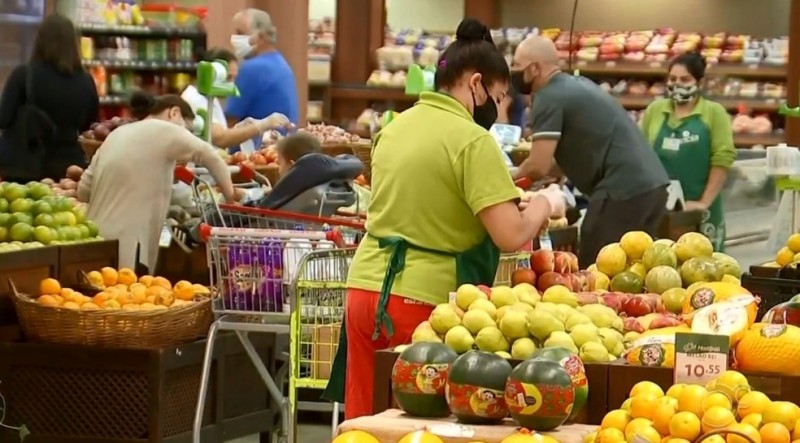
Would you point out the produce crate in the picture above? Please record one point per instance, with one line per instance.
(77, 394)
(772, 291)
(84, 257)
(677, 223)
(593, 413)
(175, 264)
(26, 268)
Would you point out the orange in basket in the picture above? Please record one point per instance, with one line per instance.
(49, 286)
(183, 290)
(110, 276)
(47, 300)
(126, 276)
(146, 280)
(163, 282)
(96, 279)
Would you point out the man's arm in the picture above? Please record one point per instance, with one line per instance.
(547, 121)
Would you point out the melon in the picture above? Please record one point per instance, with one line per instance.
(659, 255)
(661, 279)
(577, 372)
(701, 295)
(700, 269)
(769, 348)
(539, 394)
(725, 318)
(355, 436)
(419, 376)
(627, 282)
(475, 387)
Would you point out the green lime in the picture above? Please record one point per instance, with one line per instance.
(21, 217)
(93, 229)
(3, 233)
(14, 191)
(3, 205)
(42, 207)
(21, 205)
(45, 220)
(43, 234)
(21, 232)
(84, 230)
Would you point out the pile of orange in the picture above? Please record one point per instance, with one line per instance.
(686, 412)
(121, 289)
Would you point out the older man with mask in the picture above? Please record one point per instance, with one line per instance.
(266, 82)
(583, 131)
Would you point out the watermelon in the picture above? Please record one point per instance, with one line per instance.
(419, 376)
(475, 388)
(574, 366)
(539, 394)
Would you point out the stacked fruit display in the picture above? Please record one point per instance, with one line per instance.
(426, 436)
(120, 290)
(32, 215)
(100, 130)
(788, 254)
(684, 413)
(262, 157)
(478, 387)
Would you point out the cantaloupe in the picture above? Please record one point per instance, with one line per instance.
(770, 348)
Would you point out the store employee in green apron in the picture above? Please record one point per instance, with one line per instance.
(443, 207)
(693, 138)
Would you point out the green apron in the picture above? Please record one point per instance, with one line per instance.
(685, 152)
(477, 265)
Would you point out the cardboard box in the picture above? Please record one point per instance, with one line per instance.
(325, 343)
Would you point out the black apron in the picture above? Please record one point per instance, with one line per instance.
(477, 266)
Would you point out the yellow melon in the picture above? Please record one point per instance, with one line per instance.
(704, 294)
(770, 348)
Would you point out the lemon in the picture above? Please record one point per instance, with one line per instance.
(616, 419)
(793, 243)
(646, 387)
(674, 391)
(784, 256)
(716, 399)
(610, 435)
(745, 429)
(635, 425)
(774, 433)
(782, 412)
(691, 399)
(644, 405)
(753, 420)
(646, 433)
(662, 417)
(717, 417)
(684, 425)
(733, 384)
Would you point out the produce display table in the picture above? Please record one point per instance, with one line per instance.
(597, 375)
(393, 424)
(77, 394)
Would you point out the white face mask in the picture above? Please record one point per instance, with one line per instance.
(241, 45)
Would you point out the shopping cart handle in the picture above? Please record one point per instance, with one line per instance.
(334, 236)
(184, 174)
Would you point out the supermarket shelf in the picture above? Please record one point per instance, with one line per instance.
(660, 68)
(143, 31)
(20, 19)
(113, 100)
(358, 92)
(750, 140)
(142, 65)
(731, 104)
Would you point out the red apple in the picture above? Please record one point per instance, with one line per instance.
(575, 282)
(636, 306)
(560, 262)
(523, 275)
(542, 261)
(549, 279)
(654, 301)
(486, 290)
(615, 300)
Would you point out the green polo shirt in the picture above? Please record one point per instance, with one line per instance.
(712, 114)
(433, 171)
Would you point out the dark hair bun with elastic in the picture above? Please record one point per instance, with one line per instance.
(471, 29)
(141, 104)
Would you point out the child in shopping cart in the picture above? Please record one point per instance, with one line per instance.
(302, 167)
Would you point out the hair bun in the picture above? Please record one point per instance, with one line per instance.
(141, 103)
(471, 29)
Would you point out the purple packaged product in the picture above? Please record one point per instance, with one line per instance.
(254, 276)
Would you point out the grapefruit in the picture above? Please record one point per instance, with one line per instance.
(659, 255)
(717, 417)
(684, 425)
(733, 384)
(635, 243)
(747, 430)
(774, 433)
(753, 402)
(691, 399)
(644, 405)
(646, 387)
(783, 412)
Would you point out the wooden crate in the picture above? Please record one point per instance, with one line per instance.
(85, 257)
(26, 269)
(593, 413)
(77, 394)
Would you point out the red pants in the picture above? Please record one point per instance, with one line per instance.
(360, 310)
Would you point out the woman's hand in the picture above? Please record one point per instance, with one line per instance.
(696, 206)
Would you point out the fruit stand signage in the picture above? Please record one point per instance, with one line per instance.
(699, 358)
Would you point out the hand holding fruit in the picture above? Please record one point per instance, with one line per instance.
(555, 196)
(273, 121)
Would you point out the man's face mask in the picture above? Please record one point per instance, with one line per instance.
(520, 84)
(241, 45)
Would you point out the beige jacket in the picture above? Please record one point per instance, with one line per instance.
(129, 183)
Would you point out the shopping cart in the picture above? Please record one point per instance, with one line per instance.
(283, 273)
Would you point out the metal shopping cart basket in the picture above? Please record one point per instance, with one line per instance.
(283, 273)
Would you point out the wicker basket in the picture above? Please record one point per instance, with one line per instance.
(335, 149)
(364, 153)
(115, 329)
(89, 146)
(724, 433)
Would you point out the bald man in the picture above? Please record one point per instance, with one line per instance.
(583, 131)
(265, 81)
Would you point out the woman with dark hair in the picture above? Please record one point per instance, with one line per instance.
(221, 135)
(443, 207)
(694, 140)
(45, 104)
(128, 185)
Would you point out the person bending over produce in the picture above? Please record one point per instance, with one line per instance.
(694, 140)
(222, 135)
(443, 207)
(583, 131)
(129, 181)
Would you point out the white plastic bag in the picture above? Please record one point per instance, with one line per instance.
(782, 223)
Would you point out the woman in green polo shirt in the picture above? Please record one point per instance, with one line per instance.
(443, 207)
(693, 138)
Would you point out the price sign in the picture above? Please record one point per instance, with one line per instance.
(700, 358)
